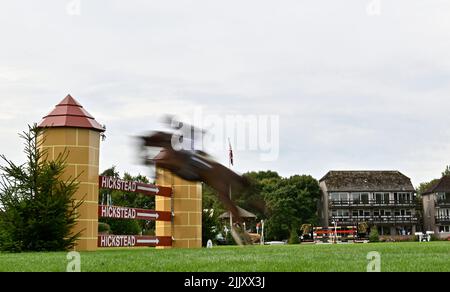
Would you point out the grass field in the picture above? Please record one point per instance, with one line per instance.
(408, 256)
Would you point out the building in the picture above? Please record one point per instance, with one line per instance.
(436, 205)
(385, 199)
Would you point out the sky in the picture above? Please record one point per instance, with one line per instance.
(355, 84)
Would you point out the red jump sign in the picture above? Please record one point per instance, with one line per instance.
(132, 213)
(112, 183)
(133, 240)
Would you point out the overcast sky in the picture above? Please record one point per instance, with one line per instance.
(356, 85)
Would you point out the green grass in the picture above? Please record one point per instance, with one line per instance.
(408, 256)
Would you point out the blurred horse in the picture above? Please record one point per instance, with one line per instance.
(195, 165)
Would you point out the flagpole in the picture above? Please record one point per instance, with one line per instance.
(229, 190)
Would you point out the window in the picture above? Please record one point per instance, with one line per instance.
(334, 197)
(379, 199)
(446, 197)
(386, 198)
(444, 213)
(339, 197)
(359, 198)
(402, 198)
(382, 198)
(361, 213)
(340, 213)
(441, 196)
(445, 228)
(365, 198)
(385, 230)
(356, 198)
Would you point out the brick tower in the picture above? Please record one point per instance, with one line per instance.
(69, 127)
(186, 228)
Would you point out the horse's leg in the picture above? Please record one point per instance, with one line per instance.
(239, 234)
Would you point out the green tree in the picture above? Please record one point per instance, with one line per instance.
(37, 208)
(251, 199)
(374, 236)
(124, 226)
(423, 187)
(293, 239)
(210, 200)
(284, 202)
(210, 226)
(446, 171)
(291, 201)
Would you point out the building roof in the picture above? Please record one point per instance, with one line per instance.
(379, 180)
(242, 213)
(69, 113)
(441, 186)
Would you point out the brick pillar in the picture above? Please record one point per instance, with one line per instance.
(70, 128)
(186, 229)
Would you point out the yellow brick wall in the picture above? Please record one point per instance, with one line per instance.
(187, 207)
(82, 146)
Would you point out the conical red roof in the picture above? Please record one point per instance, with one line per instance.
(69, 113)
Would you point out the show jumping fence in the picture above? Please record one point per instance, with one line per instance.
(126, 213)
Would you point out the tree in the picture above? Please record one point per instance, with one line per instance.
(423, 187)
(291, 201)
(446, 171)
(124, 226)
(210, 200)
(281, 219)
(210, 226)
(261, 183)
(293, 239)
(374, 236)
(283, 202)
(251, 199)
(37, 208)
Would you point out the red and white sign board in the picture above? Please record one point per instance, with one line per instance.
(112, 183)
(133, 240)
(132, 213)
